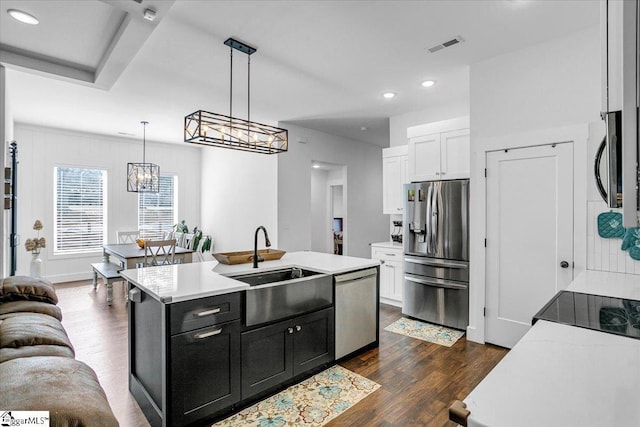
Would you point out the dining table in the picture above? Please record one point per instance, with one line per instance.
(130, 255)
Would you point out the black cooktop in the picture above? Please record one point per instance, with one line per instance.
(607, 314)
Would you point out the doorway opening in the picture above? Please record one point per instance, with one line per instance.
(328, 208)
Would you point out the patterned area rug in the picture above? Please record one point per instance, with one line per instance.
(313, 402)
(425, 331)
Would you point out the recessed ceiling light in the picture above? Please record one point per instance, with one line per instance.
(316, 166)
(428, 83)
(389, 95)
(23, 17)
(363, 128)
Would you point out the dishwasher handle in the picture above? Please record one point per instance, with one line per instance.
(342, 279)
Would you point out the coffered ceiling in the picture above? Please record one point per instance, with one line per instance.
(99, 66)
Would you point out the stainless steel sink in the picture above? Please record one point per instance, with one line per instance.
(264, 277)
(284, 293)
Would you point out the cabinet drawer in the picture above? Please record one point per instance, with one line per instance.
(203, 312)
(387, 254)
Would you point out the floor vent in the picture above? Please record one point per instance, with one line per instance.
(448, 43)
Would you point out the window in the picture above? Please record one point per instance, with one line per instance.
(80, 210)
(157, 212)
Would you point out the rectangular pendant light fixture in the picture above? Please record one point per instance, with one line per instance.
(219, 130)
(143, 177)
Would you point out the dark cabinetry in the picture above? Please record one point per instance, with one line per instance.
(276, 353)
(205, 371)
(184, 357)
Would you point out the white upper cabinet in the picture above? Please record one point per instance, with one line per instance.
(394, 175)
(439, 150)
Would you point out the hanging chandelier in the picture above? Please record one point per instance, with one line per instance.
(143, 177)
(217, 130)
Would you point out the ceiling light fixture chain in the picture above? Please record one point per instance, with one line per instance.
(217, 130)
(144, 140)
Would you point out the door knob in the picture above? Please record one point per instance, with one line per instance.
(290, 330)
(564, 264)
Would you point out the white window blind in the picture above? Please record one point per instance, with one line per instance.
(157, 212)
(80, 198)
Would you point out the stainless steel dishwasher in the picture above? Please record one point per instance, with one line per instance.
(356, 310)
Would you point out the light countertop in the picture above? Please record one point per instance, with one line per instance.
(561, 375)
(607, 284)
(182, 282)
(388, 244)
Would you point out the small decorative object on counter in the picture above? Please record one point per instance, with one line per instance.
(34, 245)
(610, 225)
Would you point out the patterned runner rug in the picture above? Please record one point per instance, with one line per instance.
(311, 403)
(425, 331)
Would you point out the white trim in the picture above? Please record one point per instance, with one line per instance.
(438, 127)
(387, 301)
(71, 277)
(578, 134)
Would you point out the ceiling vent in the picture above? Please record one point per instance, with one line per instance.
(138, 1)
(448, 43)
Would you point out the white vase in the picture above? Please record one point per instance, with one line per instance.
(36, 265)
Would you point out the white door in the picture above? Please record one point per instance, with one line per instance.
(392, 177)
(424, 158)
(455, 154)
(529, 235)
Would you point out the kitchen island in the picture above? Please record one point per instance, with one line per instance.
(562, 375)
(202, 344)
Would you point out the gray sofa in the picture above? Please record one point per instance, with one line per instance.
(38, 371)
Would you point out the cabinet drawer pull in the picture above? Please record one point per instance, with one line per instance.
(290, 330)
(399, 209)
(207, 334)
(381, 261)
(298, 328)
(208, 312)
(391, 254)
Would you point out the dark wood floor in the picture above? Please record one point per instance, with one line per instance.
(419, 380)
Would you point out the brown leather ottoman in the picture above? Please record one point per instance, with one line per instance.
(32, 334)
(67, 388)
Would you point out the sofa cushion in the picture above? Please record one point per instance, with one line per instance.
(29, 307)
(8, 353)
(67, 388)
(18, 288)
(24, 329)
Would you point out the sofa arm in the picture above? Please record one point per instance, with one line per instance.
(25, 288)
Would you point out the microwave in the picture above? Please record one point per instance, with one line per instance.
(608, 161)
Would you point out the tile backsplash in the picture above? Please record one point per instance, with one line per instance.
(605, 254)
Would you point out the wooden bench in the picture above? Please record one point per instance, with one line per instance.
(110, 272)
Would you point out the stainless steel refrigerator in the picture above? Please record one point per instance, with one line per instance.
(436, 252)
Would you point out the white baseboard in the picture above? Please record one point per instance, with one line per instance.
(474, 335)
(392, 302)
(71, 277)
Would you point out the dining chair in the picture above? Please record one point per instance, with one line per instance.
(127, 236)
(159, 252)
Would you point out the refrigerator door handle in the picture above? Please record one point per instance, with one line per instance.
(428, 218)
(434, 218)
(437, 262)
(439, 283)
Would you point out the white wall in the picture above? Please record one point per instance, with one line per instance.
(6, 132)
(362, 189)
(41, 149)
(398, 124)
(319, 210)
(239, 193)
(338, 211)
(551, 85)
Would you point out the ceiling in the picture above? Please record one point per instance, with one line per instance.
(98, 66)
